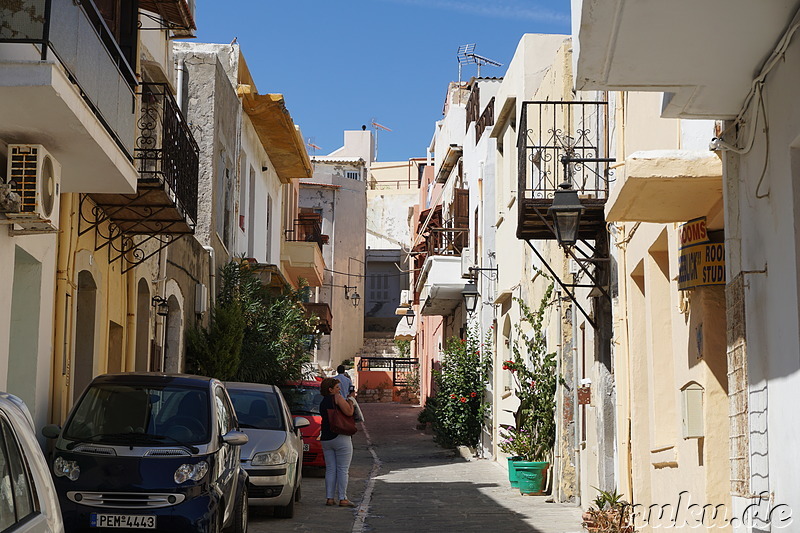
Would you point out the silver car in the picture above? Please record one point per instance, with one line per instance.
(28, 499)
(273, 454)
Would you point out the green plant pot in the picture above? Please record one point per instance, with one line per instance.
(531, 476)
(512, 470)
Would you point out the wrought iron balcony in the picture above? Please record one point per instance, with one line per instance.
(164, 206)
(167, 158)
(562, 142)
(307, 229)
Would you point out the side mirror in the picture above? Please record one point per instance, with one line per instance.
(301, 422)
(235, 438)
(51, 431)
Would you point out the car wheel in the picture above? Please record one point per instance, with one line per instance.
(240, 513)
(297, 495)
(287, 511)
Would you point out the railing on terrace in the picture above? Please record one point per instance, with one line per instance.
(400, 367)
(446, 241)
(486, 120)
(165, 149)
(81, 42)
(306, 230)
(563, 141)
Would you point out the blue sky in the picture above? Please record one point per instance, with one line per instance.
(341, 64)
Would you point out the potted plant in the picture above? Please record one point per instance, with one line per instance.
(608, 514)
(533, 434)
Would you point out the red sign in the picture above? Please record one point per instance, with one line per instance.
(693, 232)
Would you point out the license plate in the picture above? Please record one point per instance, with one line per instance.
(129, 521)
(305, 447)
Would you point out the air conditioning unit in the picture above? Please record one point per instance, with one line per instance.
(35, 176)
(467, 262)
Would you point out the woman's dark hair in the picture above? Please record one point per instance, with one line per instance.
(327, 386)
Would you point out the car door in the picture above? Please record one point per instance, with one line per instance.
(228, 455)
(19, 505)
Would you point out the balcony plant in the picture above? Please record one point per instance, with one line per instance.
(532, 436)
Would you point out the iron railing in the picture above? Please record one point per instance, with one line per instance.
(563, 142)
(400, 367)
(306, 230)
(165, 149)
(78, 37)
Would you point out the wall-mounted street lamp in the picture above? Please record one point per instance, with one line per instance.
(355, 298)
(161, 305)
(410, 317)
(471, 295)
(566, 212)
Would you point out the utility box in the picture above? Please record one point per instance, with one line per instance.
(692, 396)
(200, 299)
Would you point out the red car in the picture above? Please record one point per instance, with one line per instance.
(303, 398)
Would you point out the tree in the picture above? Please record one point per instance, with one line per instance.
(277, 336)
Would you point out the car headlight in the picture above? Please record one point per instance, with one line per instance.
(67, 469)
(187, 472)
(277, 457)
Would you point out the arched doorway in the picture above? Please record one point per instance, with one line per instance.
(83, 368)
(172, 345)
(142, 326)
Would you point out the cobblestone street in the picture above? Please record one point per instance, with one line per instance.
(418, 486)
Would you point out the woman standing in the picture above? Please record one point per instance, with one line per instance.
(338, 449)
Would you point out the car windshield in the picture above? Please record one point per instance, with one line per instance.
(116, 413)
(257, 409)
(302, 399)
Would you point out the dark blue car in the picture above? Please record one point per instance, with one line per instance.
(154, 452)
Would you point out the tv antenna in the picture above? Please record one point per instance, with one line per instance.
(310, 144)
(377, 127)
(466, 56)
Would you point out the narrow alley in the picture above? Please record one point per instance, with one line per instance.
(402, 479)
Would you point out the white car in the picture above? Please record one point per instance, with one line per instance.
(273, 455)
(28, 499)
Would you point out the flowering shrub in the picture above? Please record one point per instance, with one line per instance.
(460, 406)
(533, 434)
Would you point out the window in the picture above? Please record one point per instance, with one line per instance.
(353, 174)
(224, 418)
(16, 498)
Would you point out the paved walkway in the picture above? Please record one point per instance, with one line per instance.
(406, 483)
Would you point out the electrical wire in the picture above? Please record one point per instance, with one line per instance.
(374, 274)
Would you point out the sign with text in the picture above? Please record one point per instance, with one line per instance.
(692, 232)
(700, 265)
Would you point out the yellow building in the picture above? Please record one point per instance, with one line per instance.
(670, 321)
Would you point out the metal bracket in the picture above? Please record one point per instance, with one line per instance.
(120, 244)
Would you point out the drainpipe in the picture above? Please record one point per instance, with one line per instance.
(212, 276)
(576, 413)
(130, 340)
(559, 403)
(181, 72)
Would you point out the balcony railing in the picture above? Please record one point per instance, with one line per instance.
(80, 40)
(307, 230)
(401, 367)
(446, 241)
(564, 141)
(486, 120)
(165, 149)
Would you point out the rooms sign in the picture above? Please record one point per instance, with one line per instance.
(700, 262)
